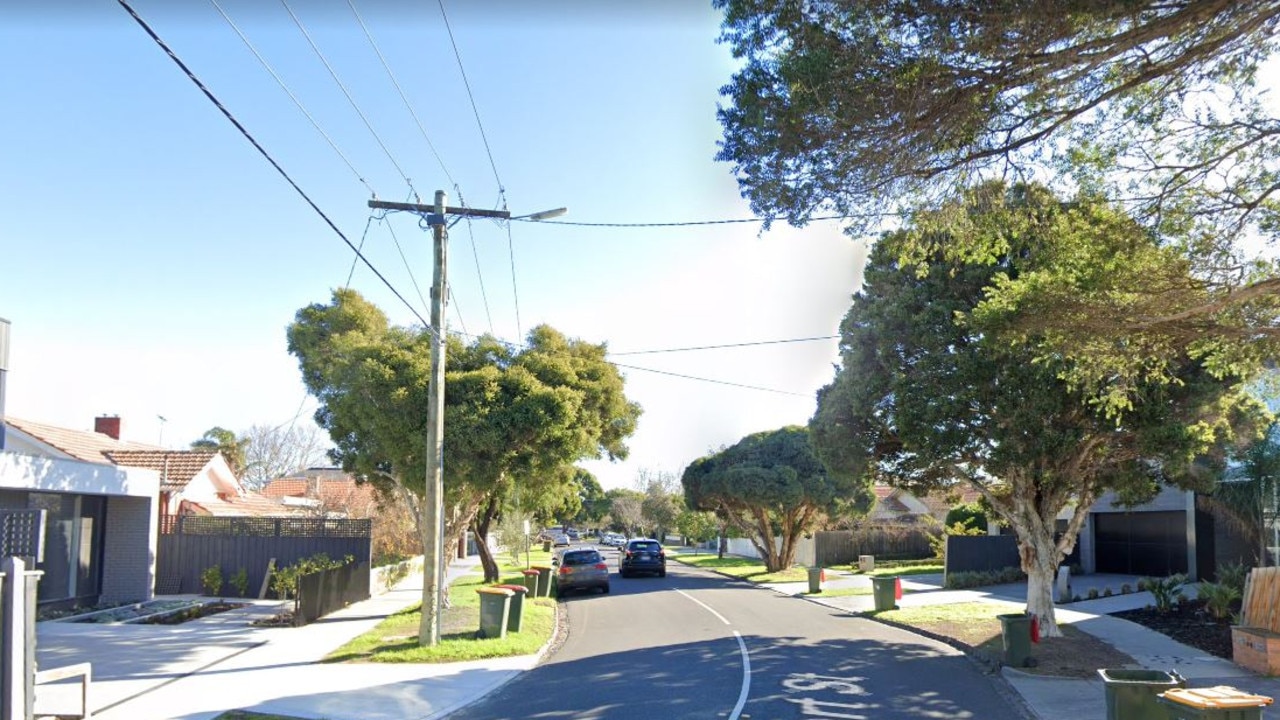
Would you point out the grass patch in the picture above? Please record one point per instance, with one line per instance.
(841, 592)
(745, 568)
(974, 624)
(395, 640)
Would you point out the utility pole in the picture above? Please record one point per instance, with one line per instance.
(432, 514)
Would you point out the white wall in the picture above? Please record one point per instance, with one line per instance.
(806, 554)
(31, 472)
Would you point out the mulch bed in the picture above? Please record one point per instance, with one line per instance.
(1187, 623)
(199, 611)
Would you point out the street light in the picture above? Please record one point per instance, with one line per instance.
(544, 215)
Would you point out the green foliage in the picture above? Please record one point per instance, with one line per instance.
(1218, 598)
(768, 484)
(1233, 575)
(511, 535)
(284, 582)
(1166, 591)
(970, 515)
(697, 525)
(225, 441)
(962, 580)
(965, 527)
(240, 581)
(211, 580)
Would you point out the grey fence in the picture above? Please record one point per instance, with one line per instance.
(191, 544)
(320, 593)
(889, 542)
(981, 553)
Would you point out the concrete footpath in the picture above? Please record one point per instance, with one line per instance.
(1052, 698)
(200, 669)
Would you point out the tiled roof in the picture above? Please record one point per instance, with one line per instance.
(248, 505)
(335, 494)
(940, 502)
(84, 445)
(176, 467)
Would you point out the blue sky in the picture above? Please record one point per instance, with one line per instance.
(150, 259)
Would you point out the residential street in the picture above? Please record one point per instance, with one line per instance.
(678, 647)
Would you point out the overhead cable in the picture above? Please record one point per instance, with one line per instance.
(408, 106)
(710, 380)
(333, 73)
(470, 96)
(227, 114)
(292, 97)
(728, 345)
(690, 223)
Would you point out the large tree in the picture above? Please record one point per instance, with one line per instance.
(226, 442)
(273, 451)
(868, 107)
(512, 418)
(940, 384)
(769, 485)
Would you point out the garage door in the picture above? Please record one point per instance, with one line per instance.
(1141, 543)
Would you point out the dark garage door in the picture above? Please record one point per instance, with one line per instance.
(1141, 543)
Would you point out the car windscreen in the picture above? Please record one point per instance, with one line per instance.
(652, 547)
(582, 558)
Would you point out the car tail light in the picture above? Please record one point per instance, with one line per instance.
(662, 556)
(601, 566)
(565, 569)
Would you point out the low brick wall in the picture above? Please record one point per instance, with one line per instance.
(1256, 649)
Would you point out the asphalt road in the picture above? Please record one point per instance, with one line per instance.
(698, 645)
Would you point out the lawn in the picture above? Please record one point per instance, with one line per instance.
(745, 568)
(903, 571)
(395, 640)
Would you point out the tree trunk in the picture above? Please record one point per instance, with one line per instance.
(481, 525)
(1040, 557)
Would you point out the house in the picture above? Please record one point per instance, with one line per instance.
(896, 505)
(325, 490)
(107, 499)
(101, 518)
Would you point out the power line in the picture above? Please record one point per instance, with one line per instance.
(728, 345)
(341, 86)
(457, 310)
(412, 278)
(467, 83)
(292, 97)
(710, 380)
(227, 114)
(479, 275)
(515, 292)
(351, 273)
(403, 98)
(690, 223)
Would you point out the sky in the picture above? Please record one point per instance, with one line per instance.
(151, 259)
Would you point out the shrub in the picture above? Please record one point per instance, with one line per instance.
(971, 515)
(1107, 593)
(1233, 574)
(1218, 598)
(1125, 589)
(240, 581)
(1093, 593)
(285, 580)
(962, 580)
(211, 580)
(1166, 591)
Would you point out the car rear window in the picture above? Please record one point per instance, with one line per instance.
(645, 547)
(582, 558)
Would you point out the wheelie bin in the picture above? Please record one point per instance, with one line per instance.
(1213, 703)
(495, 605)
(1015, 630)
(515, 616)
(1131, 694)
(815, 580)
(884, 589)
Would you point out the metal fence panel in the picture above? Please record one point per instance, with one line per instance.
(891, 542)
(191, 544)
(323, 592)
(981, 553)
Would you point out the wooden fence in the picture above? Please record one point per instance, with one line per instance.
(190, 544)
(1260, 607)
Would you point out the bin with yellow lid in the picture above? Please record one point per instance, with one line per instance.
(1213, 703)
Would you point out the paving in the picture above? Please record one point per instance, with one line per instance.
(1053, 698)
(200, 669)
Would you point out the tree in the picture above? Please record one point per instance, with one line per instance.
(931, 392)
(698, 526)
(864, 107)
(626, 509)
(224, 441)
(274, 451)
(661, 503)
(1250, 495)
(771, 484)
(591, 499)
(511, 418)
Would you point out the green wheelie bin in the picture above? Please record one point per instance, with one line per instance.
(1015, 631)
(495, 606)
(1131, 694)
(1212, 703)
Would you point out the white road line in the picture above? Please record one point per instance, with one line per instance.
(704, 606)
(746, 678)
(746, 658)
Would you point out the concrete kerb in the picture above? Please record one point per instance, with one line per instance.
(189, 671)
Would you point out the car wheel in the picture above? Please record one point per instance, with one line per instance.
(605, 589)
(662, 572)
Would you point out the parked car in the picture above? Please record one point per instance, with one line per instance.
(581, 569)
(642, 555)
(573, 534)
(559, 539)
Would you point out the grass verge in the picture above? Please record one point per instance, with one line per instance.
(903, 571)
(745, 568)
(395, 640)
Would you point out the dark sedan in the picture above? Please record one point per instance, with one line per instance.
(642, 556)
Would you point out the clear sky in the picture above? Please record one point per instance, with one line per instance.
(151, 259)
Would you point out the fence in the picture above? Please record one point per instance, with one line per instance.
(190, 544)
(320, 593)
(842, 547)
(981, 553)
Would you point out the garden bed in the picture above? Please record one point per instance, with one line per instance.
(153, 612)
